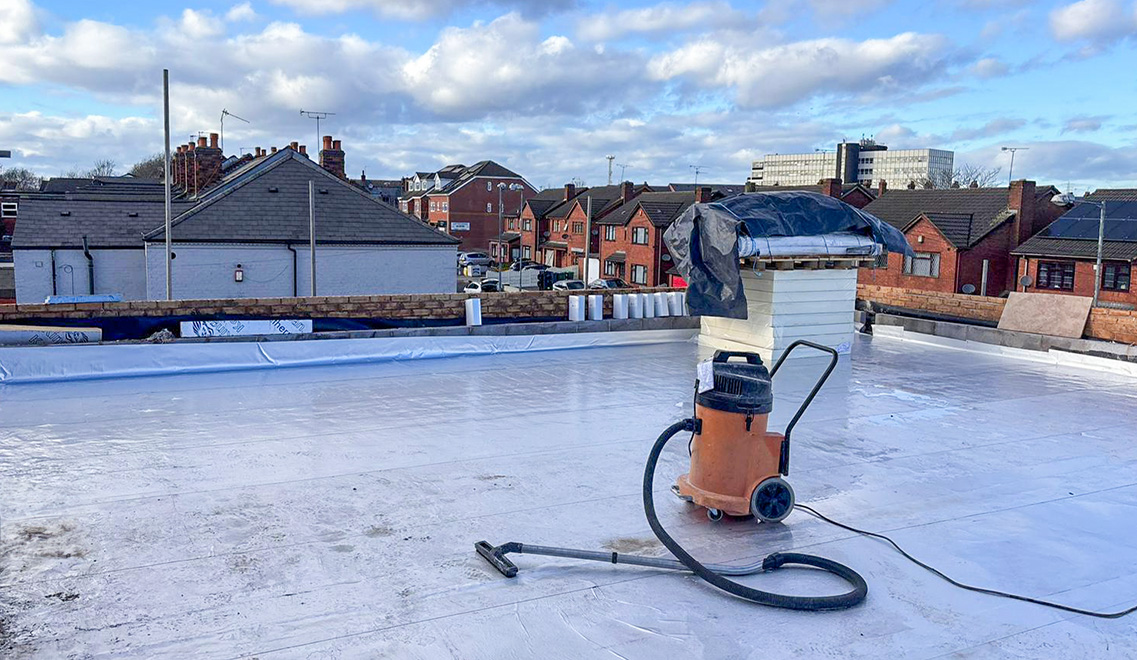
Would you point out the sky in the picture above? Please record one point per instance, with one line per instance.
(551, 87)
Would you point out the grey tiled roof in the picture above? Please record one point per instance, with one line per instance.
(660, 207)
(270, 204)
(604, 200)
(111, 223)
(725, 189)
(986, 209)
(1118, 194)
(1076, 248)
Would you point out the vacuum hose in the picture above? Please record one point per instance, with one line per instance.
(812, 603)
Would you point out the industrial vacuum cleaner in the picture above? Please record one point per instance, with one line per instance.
(737, 469)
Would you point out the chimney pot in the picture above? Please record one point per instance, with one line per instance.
(627, 191)
(294, 145)
(327, 142)
(304, 149)
(213, 140)
(189, 147)
(201, 141)
(570, 191)
(336, 145)
(881, 188)
(274, 150)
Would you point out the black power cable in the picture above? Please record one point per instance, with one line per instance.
(961, 585)
(814, 603)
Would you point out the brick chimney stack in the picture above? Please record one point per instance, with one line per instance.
(702, 195)
(295, 146)
(881, 187)
(1020, 199)
(570, 191)
(627, 191)
(206, 166)
(303, 150)
(830, 187)
(332, 157)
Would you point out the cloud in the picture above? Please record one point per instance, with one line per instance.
(787, 73)
(989, 67)
(414, 10)
(1058, 161)
(506, 66)
(241, 12)
(993, 128)
(17, 21)
(1094, 20)
(200, 24)
(668, 17)
(50, 144)
(841, 8)
(1083, 124)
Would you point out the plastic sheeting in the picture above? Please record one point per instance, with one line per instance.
(331, 512)
(704, 240)
(68, 363)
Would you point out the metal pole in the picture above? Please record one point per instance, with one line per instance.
(587, 240)
(1097, 267)
(983, 283)
(312, 232)
(166, 179)
(1011, 171)
(500, 231)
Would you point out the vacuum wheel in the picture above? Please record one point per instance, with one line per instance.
(772, 500)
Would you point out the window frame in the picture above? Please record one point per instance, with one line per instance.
(639, 280)
(610, 232)
(932, 258)
(1119, 269)
(636, 232)
(578, 227)
(1046, 269)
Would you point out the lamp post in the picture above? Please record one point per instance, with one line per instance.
(1068, 199)
(1011, 171)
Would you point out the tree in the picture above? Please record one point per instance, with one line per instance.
(24, 178)
(149, 168)
(964, 176)
(105, 167)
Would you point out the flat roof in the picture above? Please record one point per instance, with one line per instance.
(332, 511)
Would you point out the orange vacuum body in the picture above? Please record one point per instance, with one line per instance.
(736, 464)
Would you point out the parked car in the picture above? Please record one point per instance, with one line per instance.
(475, 259)
(485, 286)
(608, 283)
(568, 285)
(521, 264)
(533, 265)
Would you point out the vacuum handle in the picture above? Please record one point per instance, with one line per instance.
(784, 460)
(724, 356)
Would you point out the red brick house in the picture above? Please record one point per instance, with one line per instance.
(631, 237)
(463, 201)
(1061, 258)
(961, 236)
(534, 223)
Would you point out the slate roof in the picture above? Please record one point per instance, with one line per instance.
(1076, 248)
(270, 204)
(106, 185)
(725, 189)
(117, 223)
(963, 215)
(604, 200)
(542, 202)
(660, 207)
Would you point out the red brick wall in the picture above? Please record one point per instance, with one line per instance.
(1107, 324)
(857, 198)
(649, 255)
(468, 204)
(995, 247)
(1083, 281)
(894, 275)
(438, 306)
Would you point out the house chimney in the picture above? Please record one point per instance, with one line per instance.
(911, 185)
(928, 185)
(332, 157)
(830, 187)
(881, 187)
(303, 150)
(702, 195)
(177, 166)
(294, 145)
(1020, 199)
(627, 191)
(363, 177)
(974, 184)
(207, 164)
(274, 150)
(570, 191)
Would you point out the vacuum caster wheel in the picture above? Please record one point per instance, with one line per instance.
(772, 500)
(714, 514)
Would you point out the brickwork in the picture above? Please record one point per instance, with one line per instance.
(1107, 324)
(414, 307)
(1083, 280)
(933, 242)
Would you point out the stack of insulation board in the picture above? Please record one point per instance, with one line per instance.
(784, 306)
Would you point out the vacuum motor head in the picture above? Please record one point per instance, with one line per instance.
(742, 387)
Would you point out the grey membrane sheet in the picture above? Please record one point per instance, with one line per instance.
(330, 512)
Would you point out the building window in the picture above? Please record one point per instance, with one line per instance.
(489, 207)
(433, 205)
(609, 268)
(1115, 277)
(639, 274)
(527, 225)
(445, 205)
(610, 232)
(924, 264)
(526, 252)
(8, 210)
(639, 236)
(578, 227)
(1055, 275)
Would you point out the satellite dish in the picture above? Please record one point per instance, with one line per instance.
(665, 257)
(565, 236)
(545, 234)
(969, 288)
(1026, 280)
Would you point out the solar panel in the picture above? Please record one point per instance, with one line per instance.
(1082, 222)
